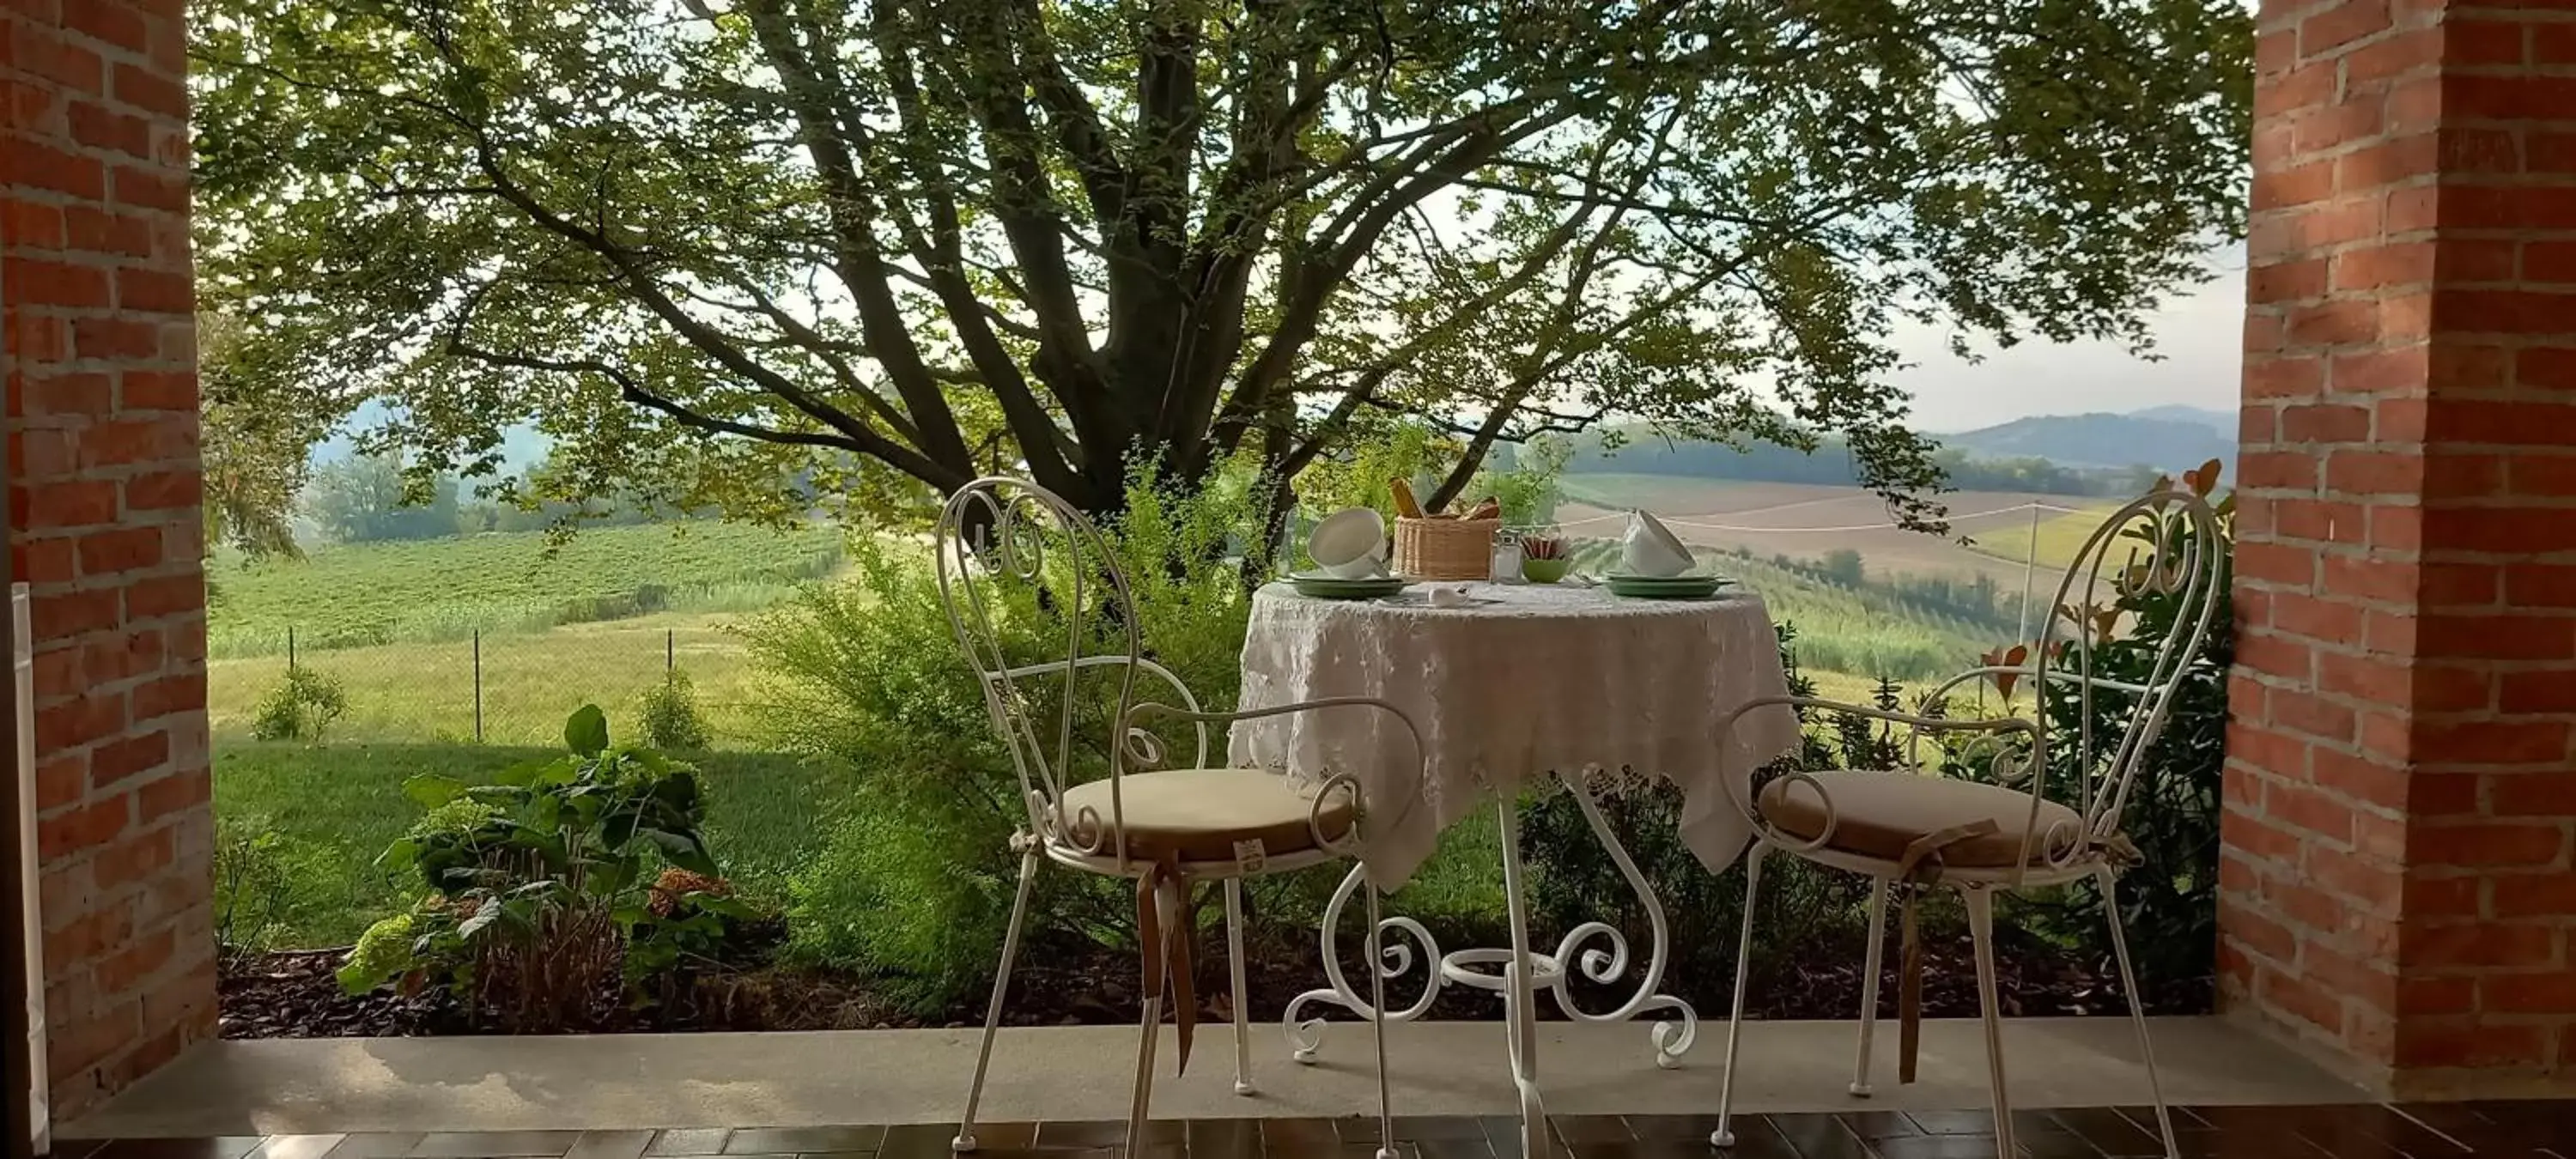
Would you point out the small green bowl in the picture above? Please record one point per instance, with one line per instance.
(1545, 571)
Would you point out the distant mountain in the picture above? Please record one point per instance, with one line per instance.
(2222, 421)
(2105, 440)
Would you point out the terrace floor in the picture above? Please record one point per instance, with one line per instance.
(894, 1095)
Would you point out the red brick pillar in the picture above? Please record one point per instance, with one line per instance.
(2396, 886)
(103, 497)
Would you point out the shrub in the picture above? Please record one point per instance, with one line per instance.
(301, 707)
(540, 890)
(1808, 911)
(261, 877)
(2169, 899)
(915, 882)
(671, 716)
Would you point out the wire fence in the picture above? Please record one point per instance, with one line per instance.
(516, 688)
(498, 689)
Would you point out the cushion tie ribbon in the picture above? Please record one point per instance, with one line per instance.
(1921, 866)
(1167, 927)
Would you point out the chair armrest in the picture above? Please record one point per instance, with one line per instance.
(2028, 672)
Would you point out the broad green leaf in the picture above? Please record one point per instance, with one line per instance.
(587, 731)
(431, 790)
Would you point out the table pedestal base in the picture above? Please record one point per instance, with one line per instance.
(1518, 973)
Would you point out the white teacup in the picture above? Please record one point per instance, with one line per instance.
(1652, 549)
(1349, 544)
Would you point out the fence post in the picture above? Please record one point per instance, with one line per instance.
(478, 685)
(2029, 568)
(670, 651)
(290, 647)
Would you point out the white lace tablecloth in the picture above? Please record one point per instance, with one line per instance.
(1535, 679)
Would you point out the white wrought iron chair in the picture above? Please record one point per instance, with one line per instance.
(1980, 838)
(1010, 549)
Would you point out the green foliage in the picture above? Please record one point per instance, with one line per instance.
(537, 884)
(341, 804)
(365, 498)
(301, 707)
(384, 951)
(447, 589)
(915, 881)
(1843, 566)
(2170, 899)
(264, 879)
(1075, 232)
(1527, 487)
(671, 716)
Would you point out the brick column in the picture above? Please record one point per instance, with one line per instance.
(2396, 886)
(103, 496)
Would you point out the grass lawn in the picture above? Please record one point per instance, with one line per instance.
(336, 807)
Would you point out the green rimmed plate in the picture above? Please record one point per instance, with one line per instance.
(1324, 587)
(1678, 587)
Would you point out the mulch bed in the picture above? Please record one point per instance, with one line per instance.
(292, 994)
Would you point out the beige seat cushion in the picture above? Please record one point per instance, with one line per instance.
(1200, 814)
(1880, 814)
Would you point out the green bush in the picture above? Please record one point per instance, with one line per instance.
(914, 884)
(1808, 912)
(263, 877)
(2170, 898)
(301, 707)
(671, 716)
(541, 889)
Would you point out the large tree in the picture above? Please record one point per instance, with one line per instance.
(712, 244)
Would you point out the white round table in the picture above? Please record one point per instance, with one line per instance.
(1522, 682)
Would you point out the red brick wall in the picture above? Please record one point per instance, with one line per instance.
(2401, 810)
(102, 428)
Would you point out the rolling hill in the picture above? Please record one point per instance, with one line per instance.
(2102, 440)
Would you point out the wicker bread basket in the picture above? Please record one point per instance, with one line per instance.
(1445, 549)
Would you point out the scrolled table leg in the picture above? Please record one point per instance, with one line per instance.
(1671, 1037)
(1306, 1035)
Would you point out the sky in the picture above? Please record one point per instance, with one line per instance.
(2200, 337)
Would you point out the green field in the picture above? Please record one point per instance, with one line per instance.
(423, 691)
(447, 589)
(2060, 537)
(336, 806)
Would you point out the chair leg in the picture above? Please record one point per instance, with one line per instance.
(1234, 963)
(1869, 983)
(1981, 928)
(1724, 1136)
(1151, 1033)
(2137, 1008)
(1377, 1026)
(965, 1140)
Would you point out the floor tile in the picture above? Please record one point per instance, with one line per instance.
(800, 1140)
(1285, 1138)
(376, 1145)
(1105, 1133)
(1006, 1134)
(494, 1144)
(302, 1147)
(221, 1147)
(1876, 1125)
(684, 1141)
(604, 1145)
(1818, 1136)
(1756, 1137)
(1591, 1128)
